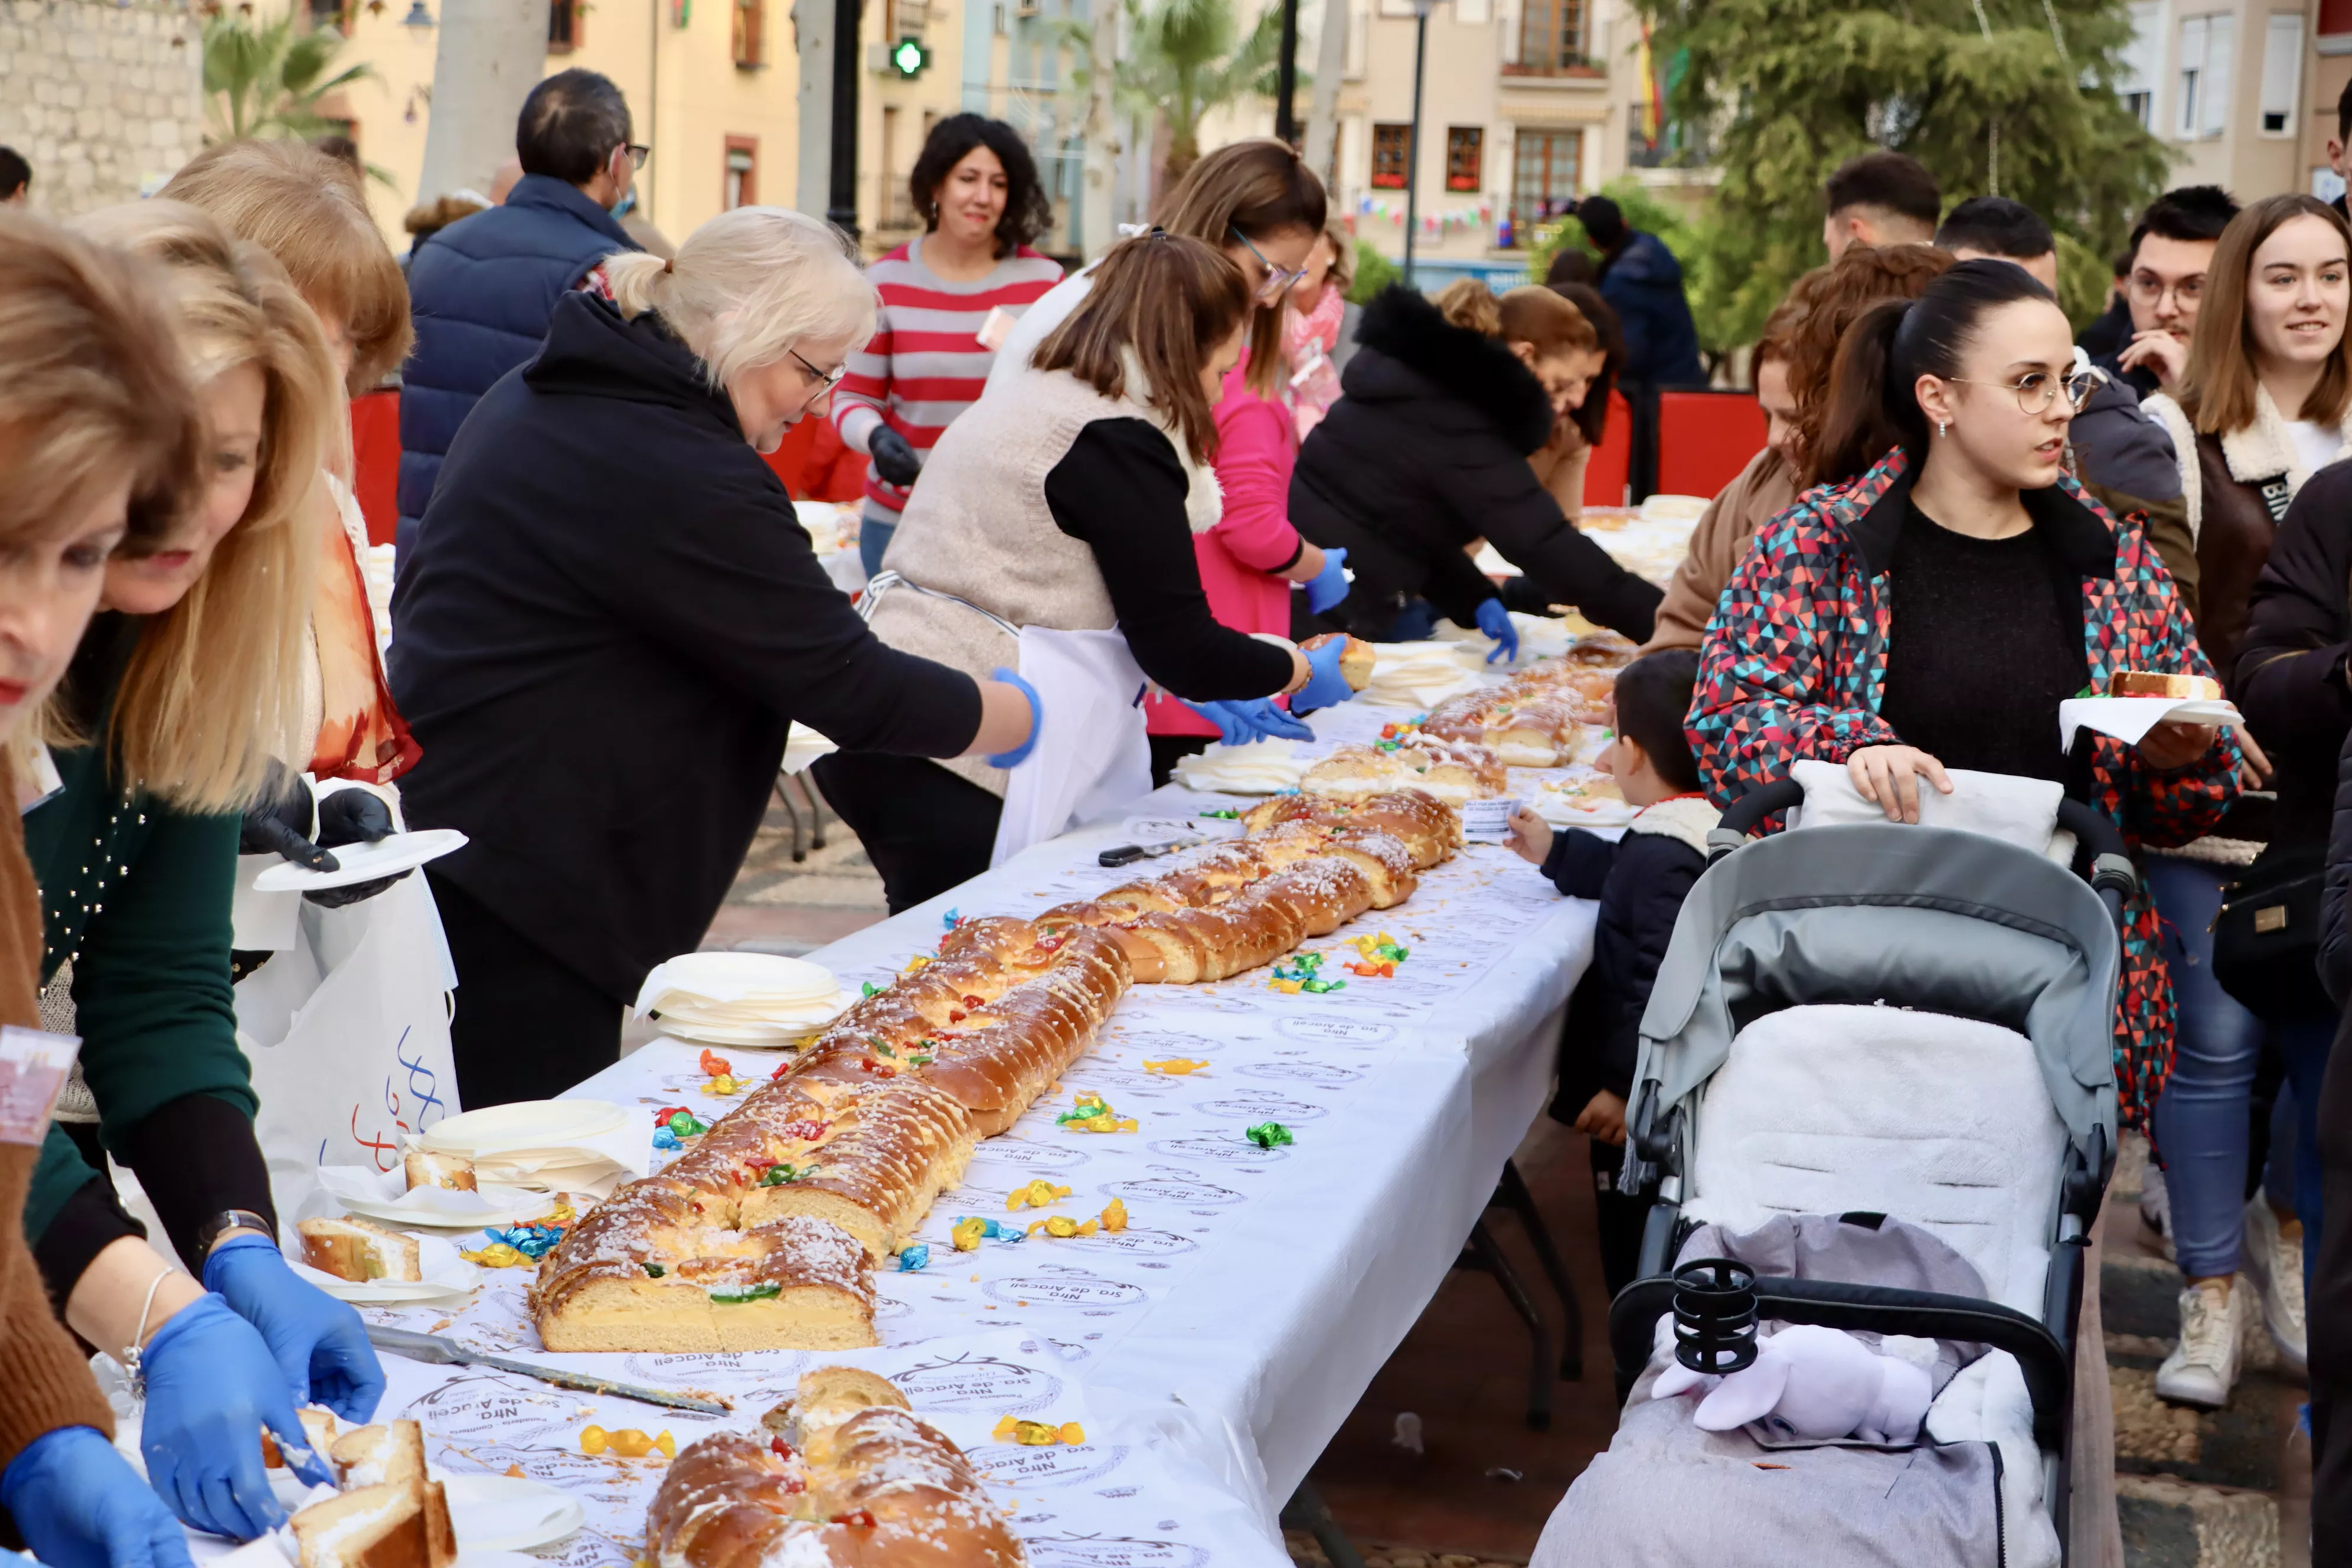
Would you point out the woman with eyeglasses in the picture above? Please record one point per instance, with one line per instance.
(609, 621)
(2264, 406)
(1932, 602)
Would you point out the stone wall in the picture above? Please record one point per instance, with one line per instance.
(104, 100)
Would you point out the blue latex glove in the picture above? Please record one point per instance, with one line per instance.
(1239, 723)
(1495, 622)
(1328, 586)
(211, 1386)
(321, 1343)
(1325, 687)
(79, 1504)
(1020, 754)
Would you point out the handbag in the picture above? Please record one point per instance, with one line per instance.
(2266, 936)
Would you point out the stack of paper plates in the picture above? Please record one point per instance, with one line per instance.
(1261, 767)
(1416, 674)
(741, 998)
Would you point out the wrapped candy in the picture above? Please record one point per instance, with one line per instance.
(1269, 1135)
(1035, 1195)
(1037, 1433)
(1174, 1067)
(1090, 1114)
(915, 1258)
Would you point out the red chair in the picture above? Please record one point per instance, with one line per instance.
(1704, 438)
(375, 462)
(1611, 463)
(816, 466)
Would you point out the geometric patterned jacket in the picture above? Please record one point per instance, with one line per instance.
(1795, 663)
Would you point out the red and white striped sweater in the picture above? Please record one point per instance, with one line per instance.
(926, 364)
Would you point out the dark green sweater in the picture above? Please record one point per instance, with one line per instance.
(137, 895)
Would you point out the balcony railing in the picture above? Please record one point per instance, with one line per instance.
(1565, 65)
(1681, 144)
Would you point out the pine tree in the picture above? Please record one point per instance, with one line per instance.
(2009, 97)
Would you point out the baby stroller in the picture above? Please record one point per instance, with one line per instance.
(1888, 1028)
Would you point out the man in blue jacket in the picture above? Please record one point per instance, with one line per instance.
(1644, 284)
(480, 290)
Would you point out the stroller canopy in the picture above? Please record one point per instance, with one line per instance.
(1932, 918)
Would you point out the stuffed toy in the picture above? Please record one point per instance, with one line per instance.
(1818, 1384)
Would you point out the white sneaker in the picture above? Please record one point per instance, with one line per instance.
(2156, 1205)
(2203, 1367)
(2275, 1265)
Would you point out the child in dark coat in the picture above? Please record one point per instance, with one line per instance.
(1640, 881)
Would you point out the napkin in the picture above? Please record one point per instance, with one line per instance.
(1415, 675)
(428, 1205)
(1262, 767)
(2127, 719)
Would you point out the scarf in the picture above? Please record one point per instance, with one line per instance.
(361, 735)
(1308, 340)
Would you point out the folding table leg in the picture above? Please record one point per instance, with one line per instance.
(1514, 1192)
(1305, 1511)
(1490, 1255)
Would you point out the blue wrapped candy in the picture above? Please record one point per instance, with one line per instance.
(914, 1257)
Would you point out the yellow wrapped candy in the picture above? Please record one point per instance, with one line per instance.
(968, 1234)
(592, 1441)
(1071, 1432)
(722, 1084)
(1036, 1434)
(559, 1215)
(1113, 1216)
(666, 1444)
(631, 1444)
(498, 1255)
(1174, 1067)
(1004, 1429)
(1035, 1195)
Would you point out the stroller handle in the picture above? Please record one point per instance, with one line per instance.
(2113, 877)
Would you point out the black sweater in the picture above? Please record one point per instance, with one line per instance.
(1121, 490)
(2290, 679)
(1640, 881)
(1426, 452)
(606, 625)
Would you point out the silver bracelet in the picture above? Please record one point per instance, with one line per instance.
(133, 1353)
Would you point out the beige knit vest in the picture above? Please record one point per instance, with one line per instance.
(976, 528)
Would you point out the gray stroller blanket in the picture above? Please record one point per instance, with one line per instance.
(1667, 1494)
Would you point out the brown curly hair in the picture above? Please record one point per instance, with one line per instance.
(1806, 327)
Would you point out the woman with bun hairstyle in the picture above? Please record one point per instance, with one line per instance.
(1058, 534)
(1945, 587)
(137, 855)
(1428, 451)
(101, 445)
(1560, 466)
(1793, 362)
(976, 188)
(609, 621)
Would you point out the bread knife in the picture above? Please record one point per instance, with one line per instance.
(440, 1352)
(1129, 854)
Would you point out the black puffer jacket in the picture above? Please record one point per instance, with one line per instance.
(2289, 681)
(1428, 451)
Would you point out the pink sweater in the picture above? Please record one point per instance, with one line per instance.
(1258, 445)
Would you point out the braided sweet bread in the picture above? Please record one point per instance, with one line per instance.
(842, 1476)
(1531, 719)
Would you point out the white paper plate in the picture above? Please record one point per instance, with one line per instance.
(364, 862)
(508, 1513)
(509, 1206)
(2218, 710)
(525, 1124)
(445, 1274)
(696, 1034)
(724, 975)
(1562, 811)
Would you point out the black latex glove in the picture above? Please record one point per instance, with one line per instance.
(894, 459)
(277, 819)
(352, 817)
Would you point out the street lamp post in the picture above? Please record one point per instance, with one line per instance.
(1286, 122)
(1420, 10)
(841, 195)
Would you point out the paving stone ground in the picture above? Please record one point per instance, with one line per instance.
(2227, 1488)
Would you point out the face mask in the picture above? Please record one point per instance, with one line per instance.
(628, 204)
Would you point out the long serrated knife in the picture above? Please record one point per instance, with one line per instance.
(439, 1351)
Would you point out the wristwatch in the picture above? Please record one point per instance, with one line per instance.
(227, 1220)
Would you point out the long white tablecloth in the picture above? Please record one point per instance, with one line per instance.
(1213, 1349)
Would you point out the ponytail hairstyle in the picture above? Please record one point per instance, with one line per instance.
(1159, 307)
(1545, 319)
(1258, 189)
(747, 286)
(1873, 404)
(1592, 418)
(235, 642)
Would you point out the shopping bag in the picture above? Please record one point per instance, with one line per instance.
(348, 1032)
(1092, 756)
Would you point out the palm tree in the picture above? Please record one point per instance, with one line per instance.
(268, 81)
(1185, 60)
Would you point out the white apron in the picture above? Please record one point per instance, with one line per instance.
(1092, 756)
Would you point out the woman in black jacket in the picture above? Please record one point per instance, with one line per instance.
(607, 623)
(2329, 1297)
(1426, 452)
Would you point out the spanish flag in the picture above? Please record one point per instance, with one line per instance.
(1652, 108)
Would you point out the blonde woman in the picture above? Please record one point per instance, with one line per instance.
(101, 444)
(608, 621)
(136, 854)
(307, 210)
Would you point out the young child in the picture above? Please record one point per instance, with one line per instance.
(1640, 881)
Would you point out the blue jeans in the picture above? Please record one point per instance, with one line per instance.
(873, 538)
(2201, 1120)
